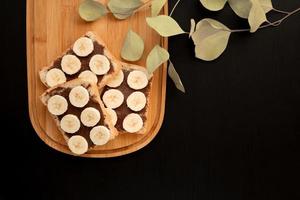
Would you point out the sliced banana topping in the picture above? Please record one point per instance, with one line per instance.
(99, 64)
(136, 101)
(117, 80)
(113, 115)
(89, 77)
(57, 105)
(70, 124)
(78, 144)
(100, 135)
(137, 80)
(79, 96)
(113, 98)
(90, 117)
(70, 64)
(133, 123)
(83, 47)
(55, 77)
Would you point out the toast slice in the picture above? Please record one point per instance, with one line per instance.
(87, 98)
(131, 103)
(77, 59)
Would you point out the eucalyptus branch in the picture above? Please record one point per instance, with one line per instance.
(276, 23)
(145, 4)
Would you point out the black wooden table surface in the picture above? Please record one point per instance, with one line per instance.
(234, 135)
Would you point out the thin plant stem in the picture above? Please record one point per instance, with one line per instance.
(176, 4)
(280, 11)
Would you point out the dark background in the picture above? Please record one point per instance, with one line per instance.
(234, 135)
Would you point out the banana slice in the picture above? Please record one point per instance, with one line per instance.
(113, 98)
(100, 135)
(99, 64)
(113, 115)
(133, 123)
(83, 47)
(78, 144)
(117, 80)
(89, 77)
(137, 80)
(136, 101)
(70, 124)
(55, 77)
(57, 105)
(70, 64)
(79, 96)
(90, 117)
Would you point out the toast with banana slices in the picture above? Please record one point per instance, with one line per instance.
(127, 98)
(88, 59)
(80, 115)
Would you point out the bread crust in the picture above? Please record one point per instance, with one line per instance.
(114, 62)
(130, 67)
(94, 94)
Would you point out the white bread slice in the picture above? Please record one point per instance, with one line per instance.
(126, 67)
(115, 64)
(94, 96)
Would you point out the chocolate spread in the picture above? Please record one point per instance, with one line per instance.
(83, 131)
(98, 49)
(123, 110)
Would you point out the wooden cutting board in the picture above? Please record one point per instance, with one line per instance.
(52, 27)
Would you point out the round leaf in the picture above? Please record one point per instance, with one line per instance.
(164, 25)
(91, 10)
(123, 9)
(267, 5)
(175, 77)
(213, 5)
(240, 7)
(210, 38)
(133, 47)
(156, 7)
(156, 58)
(257, 16)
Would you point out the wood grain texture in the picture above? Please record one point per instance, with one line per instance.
(52, 27)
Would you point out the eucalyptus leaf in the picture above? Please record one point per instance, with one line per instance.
(123, 9)
(175, 77)
(164, 25)
(210, 39)
(156, 6)
(156, 58)
(267, 5)
(257, 16)
(193, 26)
(90, 10)
(133, 47)
(242, 7)
(213, 5)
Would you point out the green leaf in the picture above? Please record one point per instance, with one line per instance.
(257, 16)
(267, 5)
(133, 47)
(156, 7)
(213, 5)
(175, 77)
(164, 25)
(210, 39)
(123, 9)
(193, 25)
(90, 10)
(242, 7)
(156, 58)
